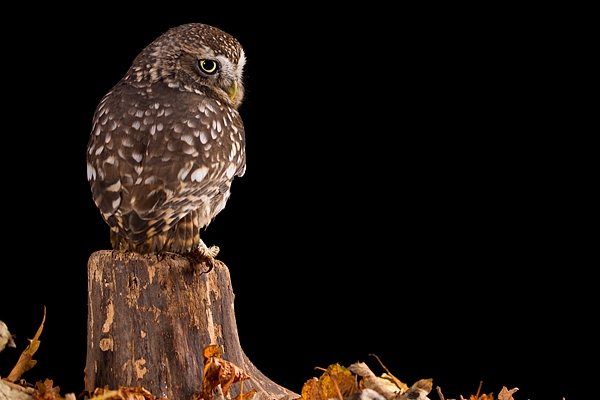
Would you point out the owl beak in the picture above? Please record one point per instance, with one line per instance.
(232, 90)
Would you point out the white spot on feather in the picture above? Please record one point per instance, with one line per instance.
(230, 171)
(199, 174)
(183, 172)
(91, 172)
(189, 139)
(114, 187)
(203, 137)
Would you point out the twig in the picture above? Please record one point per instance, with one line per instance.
(439, 390)
(478, 389)
(380, 363)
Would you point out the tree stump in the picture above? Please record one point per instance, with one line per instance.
(149, 320)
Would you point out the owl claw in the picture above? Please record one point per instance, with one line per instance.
(204, 255)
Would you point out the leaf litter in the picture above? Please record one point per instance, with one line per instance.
(355, 382)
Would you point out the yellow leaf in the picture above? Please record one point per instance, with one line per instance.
(336, 381)
(312, 391)
(212, 350)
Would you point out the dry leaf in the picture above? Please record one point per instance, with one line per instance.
(337, 381)
(123, 393)
(418, 391)
(211, 350)
(365, 394)
(219, 375)
(483, 396)
(46, 391)
(506, 394)
(389, 377)
(371, 381)
(312, 391)
(26, 362)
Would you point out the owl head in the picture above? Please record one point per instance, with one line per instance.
(194, 57)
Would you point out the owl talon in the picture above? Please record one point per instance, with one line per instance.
(204, 255)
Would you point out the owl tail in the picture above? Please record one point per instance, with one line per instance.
(182, 238)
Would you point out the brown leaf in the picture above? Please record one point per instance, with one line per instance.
(218, 372)
(46, 390)
(419, 390)
(483, 396)
(506, 394)
(25, 362)
(123, 393)
(423, 384)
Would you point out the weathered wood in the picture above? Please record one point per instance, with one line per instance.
(149, 320)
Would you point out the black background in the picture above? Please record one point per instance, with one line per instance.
(405, 193)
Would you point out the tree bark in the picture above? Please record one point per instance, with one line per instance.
(149, 320)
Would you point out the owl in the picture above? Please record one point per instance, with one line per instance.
(167, 141)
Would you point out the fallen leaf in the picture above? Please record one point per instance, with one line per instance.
(370, 381)
(123, 393)
(418, 391)
(312, 391)
(337, 381)
(25, 362)
(46, 390)
(506, 394)
(388, 376)
(219, 375)
(211, 350)
(483, 396)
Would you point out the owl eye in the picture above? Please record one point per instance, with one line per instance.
(208, 66)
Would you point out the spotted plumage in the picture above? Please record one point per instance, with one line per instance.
(167, 141)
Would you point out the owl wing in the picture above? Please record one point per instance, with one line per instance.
(151, 162)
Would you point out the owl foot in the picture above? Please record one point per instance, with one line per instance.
(204, 255)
